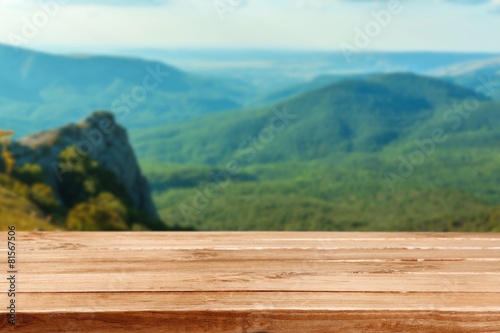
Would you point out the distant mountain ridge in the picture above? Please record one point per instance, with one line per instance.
(359, 154)
(312, 142)
(364, 115)
(33, 84)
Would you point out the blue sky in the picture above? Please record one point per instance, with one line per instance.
(431, 25)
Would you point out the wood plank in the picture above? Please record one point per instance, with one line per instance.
(276, 321)
(284, 281)
(256, 282)
(258, 301)
(236, 240)
(112, 264)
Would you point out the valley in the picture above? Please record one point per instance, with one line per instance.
(413, 146)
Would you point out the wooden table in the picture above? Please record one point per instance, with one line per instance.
(254, 282)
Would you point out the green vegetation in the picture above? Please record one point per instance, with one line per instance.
(18, 204)
(64, 89)
(105, 212)
(329, 160)
(19, 211)
(327, 169)
(445, 194)
(349, 116)
(90, 199)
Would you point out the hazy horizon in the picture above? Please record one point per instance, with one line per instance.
(316, 25)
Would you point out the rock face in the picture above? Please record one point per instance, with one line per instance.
(101, 138)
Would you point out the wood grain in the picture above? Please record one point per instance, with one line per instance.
(255, 282)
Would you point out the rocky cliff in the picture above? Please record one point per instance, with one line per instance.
(98, 137)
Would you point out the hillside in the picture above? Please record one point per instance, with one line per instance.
(479, 74)
(34, 83)
(327, 169)
(271, 69)
(276, 95)
(348, 116)
(82, 176)
(318, 160)
(21, 212)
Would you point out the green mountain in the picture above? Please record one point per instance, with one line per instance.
(344, 151)
(482, 75)
(390, 152)
(287, 92)
(349, 116)
(81, 177)
(272, 69)
(43, 91)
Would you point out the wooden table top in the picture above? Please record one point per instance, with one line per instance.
(253, 282)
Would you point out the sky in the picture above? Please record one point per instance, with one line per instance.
(425, 25)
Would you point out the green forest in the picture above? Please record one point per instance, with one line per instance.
(381, 152)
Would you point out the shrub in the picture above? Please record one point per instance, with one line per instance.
(91, 217)
(29, 174)
(43, 196)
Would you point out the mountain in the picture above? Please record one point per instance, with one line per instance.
(302, 142)
(354, 155)
(280, 68)
(303, 87)
(318, 160)
(85, 176)
(349, 116)
(483, 75)
(42, 91)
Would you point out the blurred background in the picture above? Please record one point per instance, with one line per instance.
(327, 115)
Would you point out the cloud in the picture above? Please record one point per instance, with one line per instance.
(493, 3)
(493, 6)
(469, 2)
(140, 3)
(30, 4)
(297, 24)
(324, 4)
